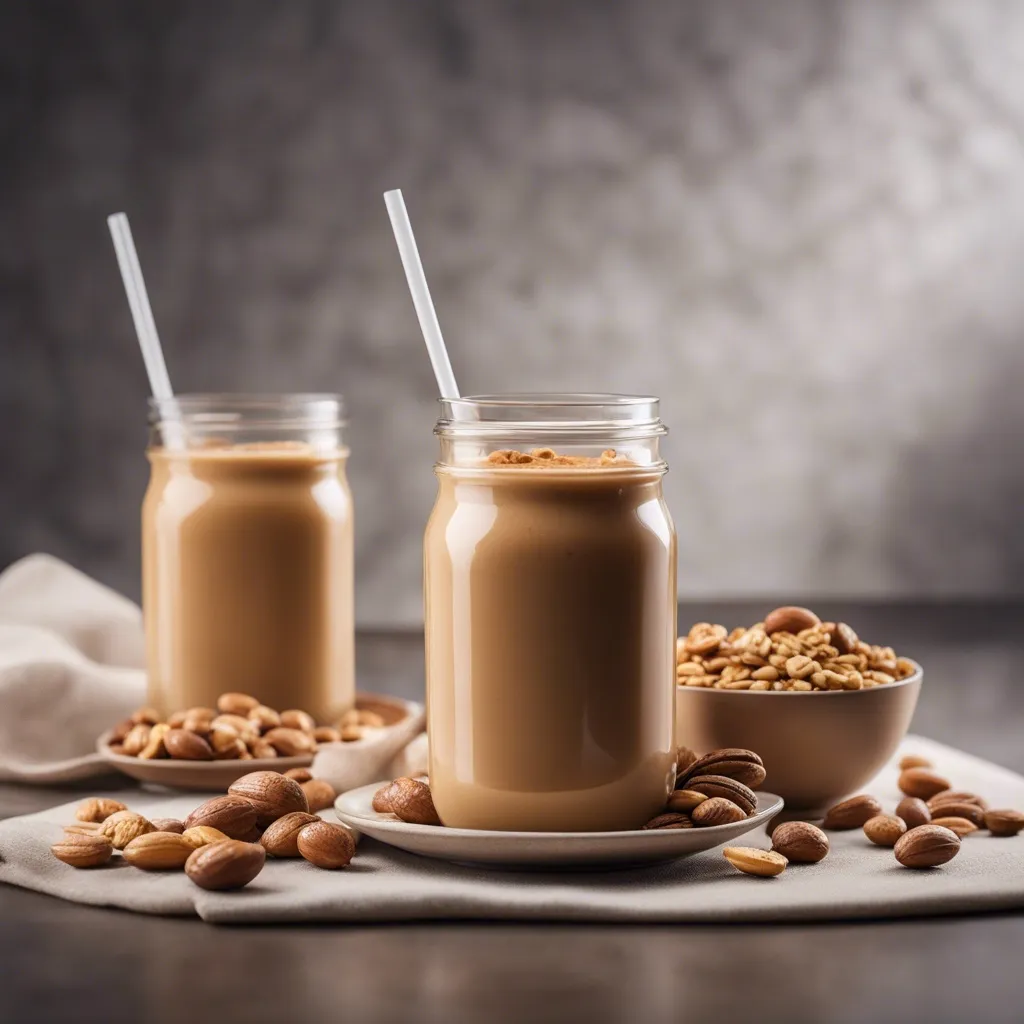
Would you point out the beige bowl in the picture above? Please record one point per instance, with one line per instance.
(817, 747)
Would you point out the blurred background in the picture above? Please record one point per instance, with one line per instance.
(799, 222)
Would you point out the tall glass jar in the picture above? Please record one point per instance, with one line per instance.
(247, 553)
(550, 604)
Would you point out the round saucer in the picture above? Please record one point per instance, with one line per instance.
(538, 850)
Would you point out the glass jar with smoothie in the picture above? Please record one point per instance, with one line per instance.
(550, 605)
(247, 553)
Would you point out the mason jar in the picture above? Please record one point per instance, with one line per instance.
(550, 609)
(247, 553)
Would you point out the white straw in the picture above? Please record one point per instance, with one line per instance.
(431, 329)
(145, 325)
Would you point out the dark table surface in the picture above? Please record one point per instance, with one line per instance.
(60, 961)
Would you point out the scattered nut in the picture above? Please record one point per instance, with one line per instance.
(233, 815)
(84, 828)
(939, 808)
(959, 796)
(852, 813)
(1004, 822)
(281, 838)
(921, 782)
(927, 846)
(186, 746)
(271, 794)
(83, 851)
(913, 811)
(914, 761)
(884, 829)
(124, 826)
(961, 826)
(98, 809)
(716, 811)
(229, 864)
(202, 835)
(168, 825)
(319, 794)
(752, 861)
(411, 801)
(158, 851)
(325, 845)
(800, 842)
(300, 775)
(382, 799)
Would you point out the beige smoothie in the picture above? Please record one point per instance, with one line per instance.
(247, 577)
(550, 625)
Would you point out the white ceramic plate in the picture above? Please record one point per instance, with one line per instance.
(535, 850)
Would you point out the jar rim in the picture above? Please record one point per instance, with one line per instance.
(556, 414)
(222, 409)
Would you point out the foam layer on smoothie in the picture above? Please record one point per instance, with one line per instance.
(548, 458)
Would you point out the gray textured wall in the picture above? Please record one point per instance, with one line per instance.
(800, 223)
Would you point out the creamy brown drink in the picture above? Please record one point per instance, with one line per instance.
(247, 558)
(550, 624)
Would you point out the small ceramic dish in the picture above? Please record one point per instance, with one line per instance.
(216, 776)
(542, 850)
(817, 747)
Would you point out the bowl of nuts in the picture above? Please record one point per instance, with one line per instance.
(209, 748)
(824, 709)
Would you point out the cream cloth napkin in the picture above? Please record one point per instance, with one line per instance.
(72, 663)
(856, 879)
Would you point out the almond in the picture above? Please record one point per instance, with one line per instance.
(136, 739)
(319, 794)
(921, 782)
(271, 794)
(961, 826)
(187, 746)
(290, 742)
(124, 826)
(718, 785)
(233, 815)
(300, 775)
(884, 829)
(800, 842)
(716, 811)
(118, 733)
(684, 800)
(264, 718)
(236, 704)
(245, 729)
(958, 796)
(83, 851)
(844, 639)
(229, 864)
(927, 846)
(154, 747)
(168, 825)
(743, 766)
(670, 821)
(281, 838)
(325, 845)
(411, 801)
(158, 851)
(1004, 822)
(939, 808)
(852, 813)
(789, 619)
(199, 719)
(913, 811)
(98, 809)
(326, 734)
(382, 799)
(752, 861)
(146, 716)
(84, 828)
(202, 835)
(295, 719)
(914, 761)
(262, 749)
